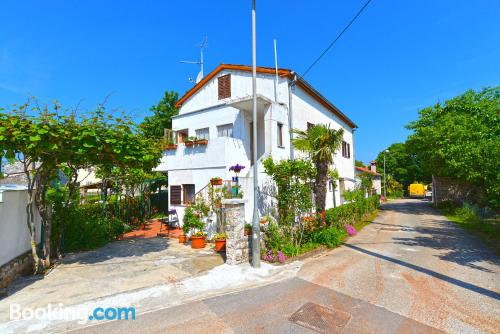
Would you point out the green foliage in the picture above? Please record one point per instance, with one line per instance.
(359, 163)
(352, 212)
(460, 138)
(329, 236)
(86, 227)
(192, 221)
(402, 164)
(293, 182)
(47, 140)
(321, 143)
(153, 126)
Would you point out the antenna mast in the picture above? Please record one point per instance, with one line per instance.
(202, 46)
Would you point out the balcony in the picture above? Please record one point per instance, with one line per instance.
(219, 152)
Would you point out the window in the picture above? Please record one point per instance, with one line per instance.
(309, 125)
(346, 150)
(280, 135)
(224, 87)
(175, 194)
(225, 130)
(202, 133)
(188, 193)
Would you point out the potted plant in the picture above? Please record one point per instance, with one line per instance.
(201, 141)
(169, 145)
(189, 141)
(198, 240)
(192, 222)
(248, 229)
(216, 181)
(220, 242)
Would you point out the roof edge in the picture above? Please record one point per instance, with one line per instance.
(282, 72)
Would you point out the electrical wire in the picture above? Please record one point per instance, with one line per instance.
(336, 39)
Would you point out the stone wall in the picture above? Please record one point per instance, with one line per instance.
(237, 244)
(21, 265)
(446, 189)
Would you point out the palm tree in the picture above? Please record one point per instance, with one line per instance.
(321, 143)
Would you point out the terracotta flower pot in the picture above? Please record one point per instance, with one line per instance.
(216, 182)
(170, 147)
(182, 238)
(189, 143)
(220, 245)
(201, 142)
(198, 242)
(248, 231)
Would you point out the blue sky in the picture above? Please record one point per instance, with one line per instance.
(398, 57)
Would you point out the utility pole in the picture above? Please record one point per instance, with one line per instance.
(255, 222)
(385, 183)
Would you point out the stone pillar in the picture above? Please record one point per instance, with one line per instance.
(236, 241)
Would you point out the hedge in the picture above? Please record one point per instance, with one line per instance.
(350, 213)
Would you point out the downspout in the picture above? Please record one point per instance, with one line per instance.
(291, 84)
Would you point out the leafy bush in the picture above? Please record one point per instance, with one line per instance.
(85, 227)
(351, 212)
(192, 220)
(330, 236)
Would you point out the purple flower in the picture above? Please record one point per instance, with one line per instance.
(269, 256)
(350, 230)
(281, 257)
(236, 168)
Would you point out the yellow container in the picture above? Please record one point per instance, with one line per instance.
(416, 190)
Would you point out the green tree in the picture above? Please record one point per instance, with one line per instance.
(46, 142)
(460, 138)
(359, 163)
(402, 164)
(153, 126)
(321, 143)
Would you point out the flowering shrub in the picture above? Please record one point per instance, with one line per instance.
(236, 168)
(351, 230)
(269, 256)
(281, 257)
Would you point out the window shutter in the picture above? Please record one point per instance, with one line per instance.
(224, 87)
(175, 194)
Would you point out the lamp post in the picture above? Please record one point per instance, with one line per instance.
(385, 183)
(255, 218)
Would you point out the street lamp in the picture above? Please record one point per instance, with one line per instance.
(255, 218)
(385, 183)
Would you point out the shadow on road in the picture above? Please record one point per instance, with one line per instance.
(465, 285)
(439, 233)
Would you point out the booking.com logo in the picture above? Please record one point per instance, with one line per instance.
(81, 314)
(113, 313)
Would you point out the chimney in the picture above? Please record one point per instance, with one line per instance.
(373, 166)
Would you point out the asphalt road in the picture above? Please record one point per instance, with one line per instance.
(410, 271)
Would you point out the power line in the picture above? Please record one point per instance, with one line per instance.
(337, 38)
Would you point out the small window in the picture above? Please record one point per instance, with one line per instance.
(202, 133)
(280, 135)
(346, 150)
(175, 195)
(224, 87)
(188, 193)
(225, 130)
(309, 125)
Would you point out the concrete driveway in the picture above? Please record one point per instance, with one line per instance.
(411, 271)
(110, 270)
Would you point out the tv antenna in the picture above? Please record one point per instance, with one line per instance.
(202, 46)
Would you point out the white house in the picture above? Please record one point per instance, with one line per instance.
(376, 177)
(219, 109)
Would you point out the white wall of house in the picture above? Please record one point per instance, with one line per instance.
(197, 165)
(14, 233)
